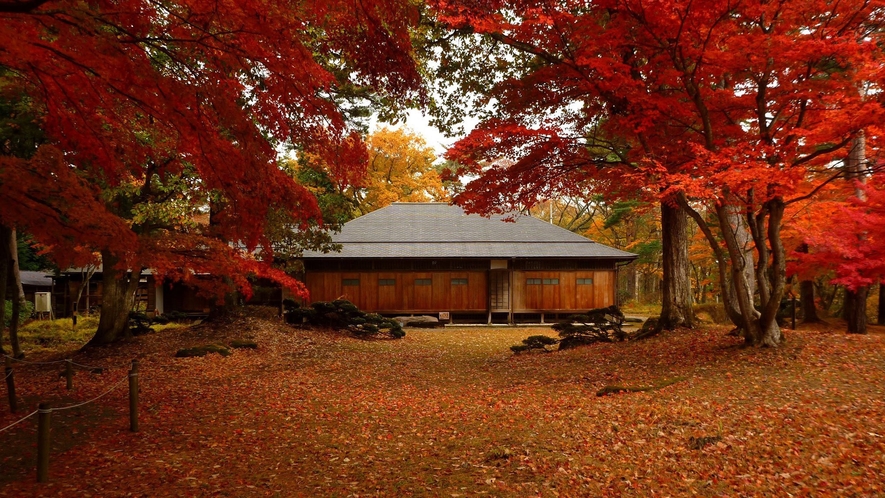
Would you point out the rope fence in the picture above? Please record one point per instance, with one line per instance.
(67, 360)
(44, 410)
(10, 426)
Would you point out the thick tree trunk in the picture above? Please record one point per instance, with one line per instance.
(880, 316)
(856, 310)
(5, 257)
(806, 302)
(18, 296)
(776, 273)
(676, 301)
(761, 327)
(117, 299)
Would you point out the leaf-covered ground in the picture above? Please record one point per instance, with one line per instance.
(454, 413)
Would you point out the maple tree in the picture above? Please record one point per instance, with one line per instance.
(131, 94)
(400, 169)
(834, 246)
(725, 107)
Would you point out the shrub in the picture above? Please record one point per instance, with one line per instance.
(174, 316)
(344, 315)
(25, 312)
(597, 325)
(534, 342)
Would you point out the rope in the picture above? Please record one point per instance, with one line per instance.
(10, 426)
(34, 362)
(93, 399)
(87, 367)
(90, 367)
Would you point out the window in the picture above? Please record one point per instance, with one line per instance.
(551, 281)
(533, 281)
(459, 281)
(350, 282)
(386, 281)
(423, 281)
(585, 281)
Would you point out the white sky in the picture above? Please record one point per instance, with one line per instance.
(420, 125)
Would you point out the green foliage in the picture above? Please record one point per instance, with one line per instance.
(243, 344)
(534, 342)
(20, 130)
(619, 211)
(28, 257)
(598, 325)
(26, 310)
(344, 315)
(172, 316)
(139, 323)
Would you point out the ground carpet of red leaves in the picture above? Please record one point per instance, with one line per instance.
(454, 413)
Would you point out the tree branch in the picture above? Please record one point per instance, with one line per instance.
(23, 7)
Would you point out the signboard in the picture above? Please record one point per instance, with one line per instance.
(42, 302)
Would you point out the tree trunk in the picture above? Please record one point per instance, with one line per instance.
(856, 310)
(5, 235)
(806, 295)
(880, 316)
(221, 310)
(855, 307)
(18, 296)
(676, 301)
(117, 298)
(762, 328)
(806, 302)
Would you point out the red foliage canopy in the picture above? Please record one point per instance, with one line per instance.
(692, 97)
(135, 89)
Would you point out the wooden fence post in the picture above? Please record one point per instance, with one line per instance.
(44, 413)
(10, 385)
(69, 374)
(133, 397)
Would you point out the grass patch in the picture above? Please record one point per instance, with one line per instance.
(44, 336)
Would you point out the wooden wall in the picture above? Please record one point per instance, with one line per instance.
(408, 292)
(403, 292)
(565, 294)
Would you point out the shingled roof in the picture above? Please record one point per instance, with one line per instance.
(438, 230)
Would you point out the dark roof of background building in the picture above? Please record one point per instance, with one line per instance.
(36, 278)
(437, 230)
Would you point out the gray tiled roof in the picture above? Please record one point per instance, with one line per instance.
(36, 278)
(436, 230)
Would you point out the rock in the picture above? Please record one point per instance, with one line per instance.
(243, 343)
(418, 321)
(203, 351)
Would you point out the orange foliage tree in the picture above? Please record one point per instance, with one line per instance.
(136, 94)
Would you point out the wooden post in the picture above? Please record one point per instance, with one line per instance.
(133, 397)
(10, 385)
(43, 429)
(69, 374)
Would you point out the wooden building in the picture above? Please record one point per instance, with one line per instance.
(431, 258)
(34, 282)
(151, 296)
